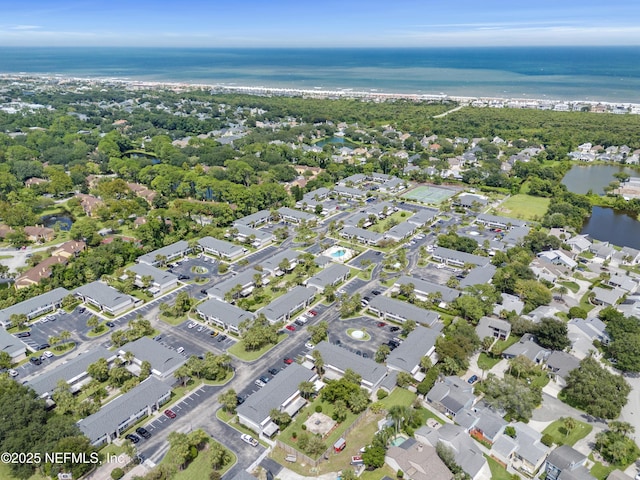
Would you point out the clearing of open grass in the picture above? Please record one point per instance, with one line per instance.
(526, 207)
(430, 194)
(239, 352)
(562, 437)
(497, 471)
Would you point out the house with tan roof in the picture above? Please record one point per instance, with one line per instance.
(69, 249)
(89, 203)
(39, 233)
(34, 275)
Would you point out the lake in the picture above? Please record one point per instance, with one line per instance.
(609, 225)
(65, 221)
(581, 179)
(338, 141)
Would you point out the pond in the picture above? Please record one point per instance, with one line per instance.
(609, 225)
(64, 220)
(337, 141)
(581, 179)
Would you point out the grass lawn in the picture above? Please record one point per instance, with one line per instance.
(497, 472)
(501, 345)
(573, 286)
(171, 320)
(223, 415)
(102, 329)
(200, 467)
(397, 217)
(601, 471)
(524, 206)
(5, 473)
(485, 362)
(399, 396)
(378, 474)
(238, 350)
(584, 302)
(557, 431)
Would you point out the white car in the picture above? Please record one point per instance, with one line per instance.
(48, 354)
(309, 345)
(191, 325)
(249, 439)
(200, 328)
(259, 383)
(13, 373)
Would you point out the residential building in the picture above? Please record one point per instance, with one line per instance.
(361, 235)
(257, 238)
(69, 249)
(559, 365)
(459, 259)
(117, 416)
(220, 248)
(525, 452)
(223, 315)
(401, 231)
(478, 276)
(271, 265)
(602, 250)
(34, 307)
(466, 452)
(424, 289)
(332, 275)
(390, 308)
(566, 463)
(160, 282)
(337, 360)
(607, 297)
(493, 328)
(12, 345)
(482, 422)
(281, 393)
(353, 180)
(39, 234)
(281, 309)
(164, 360)
(579, 243)
(417, 461)
(623, 282)
(289, 215)
(42, 270)
(104, 297)
(169, 253)
(239, 285)
(421, 342)
(423, 217)
(510, 303)
(255, 219)
(73, 372)
(558, 257)
(468, 200)
(527, 347)
(349, 192)
(451, 396)
(495, 221)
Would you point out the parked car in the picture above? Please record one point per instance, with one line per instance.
(291, 328)
(382, 324)
(35, 360)
(191, 325)
(239, 399)
(133, 438)
(472, 379)
(44, 346)
(183, 277)
(143, 432)
(376, 292)
(273, 371)
(264, 379)
(48, 354)
(170, 413)
(313, 313)
(110, 324)
(23, 334)
(298, 323)
(309, 345)
(200, 328)
(13, 373)
(222, 338)
(394, 329)
(249, 439)
(288, 360)
(259, 383)
(180, 350)
(213, 333)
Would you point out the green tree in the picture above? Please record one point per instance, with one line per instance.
(373, 456)
(93, 322)
(99, 370)
(382, 353)
(553, 334)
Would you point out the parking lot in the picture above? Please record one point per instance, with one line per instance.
(209, 267)
(196, 340)
(432, 273)
(371, 256)
(379, 335)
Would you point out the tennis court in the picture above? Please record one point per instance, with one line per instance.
(429, 194)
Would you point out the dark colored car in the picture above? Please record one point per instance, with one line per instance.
(183, 277)
(44, 346)
(221, 338)
(143, 432)
(110, 324)
(203, 291)
(382, 324)
(35, 360)
(23, 334)
(133, 438)
(170, 413)
(299, 323)
(82, 310)
(394, 329)
(239, 399)
(273, 371)
(472, 379)
(376, 292)
(264, 379)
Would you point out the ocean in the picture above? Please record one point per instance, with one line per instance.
(609, 74)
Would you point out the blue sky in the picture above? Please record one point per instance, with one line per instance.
(328, 23)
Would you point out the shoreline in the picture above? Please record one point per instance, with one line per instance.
(345, 93)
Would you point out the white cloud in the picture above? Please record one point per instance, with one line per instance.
(25, 27)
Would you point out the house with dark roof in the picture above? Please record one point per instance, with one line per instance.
(115, 418)
(42, 270)
(34, 307)
(282, 308)
(289, 215)
(73, 372)
(451, 396)
(479, 276)
(220, 248)
(421, 342)
(559, 365)
(257, 238)
(243, 282)
(176, 250)
(104, 297)
(337, 360)
(525, 452)
(255, 219)
(281, 393)
(223, 315)
(399, 232)
(399, 311)
(361, 235)
(566, 463)
(271, 264)
(527, 347)
(466, 452)
(495, 221)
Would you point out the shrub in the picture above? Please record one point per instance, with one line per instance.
(294, 435)
(304, 427)
(400, 474)
(117, 473)
(318, 408)
(547, 440)
(381, 394)
(577, 312)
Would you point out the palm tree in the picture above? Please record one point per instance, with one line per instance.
(562, 290)
(569, 425)
(65, 335)
(396, 413)
(306, 389)
(128, 357)
(318, 362)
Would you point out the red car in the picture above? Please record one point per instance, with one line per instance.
(382, 324)
(288, 360)
(170, 413)
(291, 328)
(313, 313)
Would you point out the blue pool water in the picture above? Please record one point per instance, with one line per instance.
(339, 253)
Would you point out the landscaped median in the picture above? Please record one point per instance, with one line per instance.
(240, 353)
